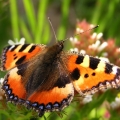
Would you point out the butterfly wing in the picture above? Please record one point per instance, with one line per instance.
(43, 78)
(91, 74)
(38, 84)
(45, 98)
(14, 87)
(14, 55)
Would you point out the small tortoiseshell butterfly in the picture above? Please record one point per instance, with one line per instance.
(45, 78)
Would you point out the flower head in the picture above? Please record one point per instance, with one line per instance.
(93, 43)
(11, 42)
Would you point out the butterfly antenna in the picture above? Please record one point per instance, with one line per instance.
(52, 28)
(83, 32)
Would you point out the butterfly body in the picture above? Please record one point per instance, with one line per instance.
(45, 78)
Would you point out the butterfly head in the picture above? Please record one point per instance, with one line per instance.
(58, 47)
(61, 44)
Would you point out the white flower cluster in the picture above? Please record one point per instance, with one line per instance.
(97, 36)
(79, 31)
(75, 50)
(87, 99)
(1, 91)
(21, 41)
(73, 40)
(115, 104)
(97, 45)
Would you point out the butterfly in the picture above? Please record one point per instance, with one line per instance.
(45, 78)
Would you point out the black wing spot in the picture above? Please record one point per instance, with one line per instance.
(94, 63)
(79, 59)
(21, 69)
(75, 74)
(93, 74)
(14, 48)
(23, 47)
(108, 68)
(20, 60)
(32, 48)
(86, 76)
(15, 57)
(62, 81)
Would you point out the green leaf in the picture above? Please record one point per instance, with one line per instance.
(28, 5)
(14, 19)
(40, 21)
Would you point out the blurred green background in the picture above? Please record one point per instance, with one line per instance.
(28, 19)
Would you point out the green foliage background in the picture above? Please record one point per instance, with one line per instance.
(28, 19)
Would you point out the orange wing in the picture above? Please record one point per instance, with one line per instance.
(13, 86)
(36, 85)
(54, 99)
(14, 55)
(91, 74)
